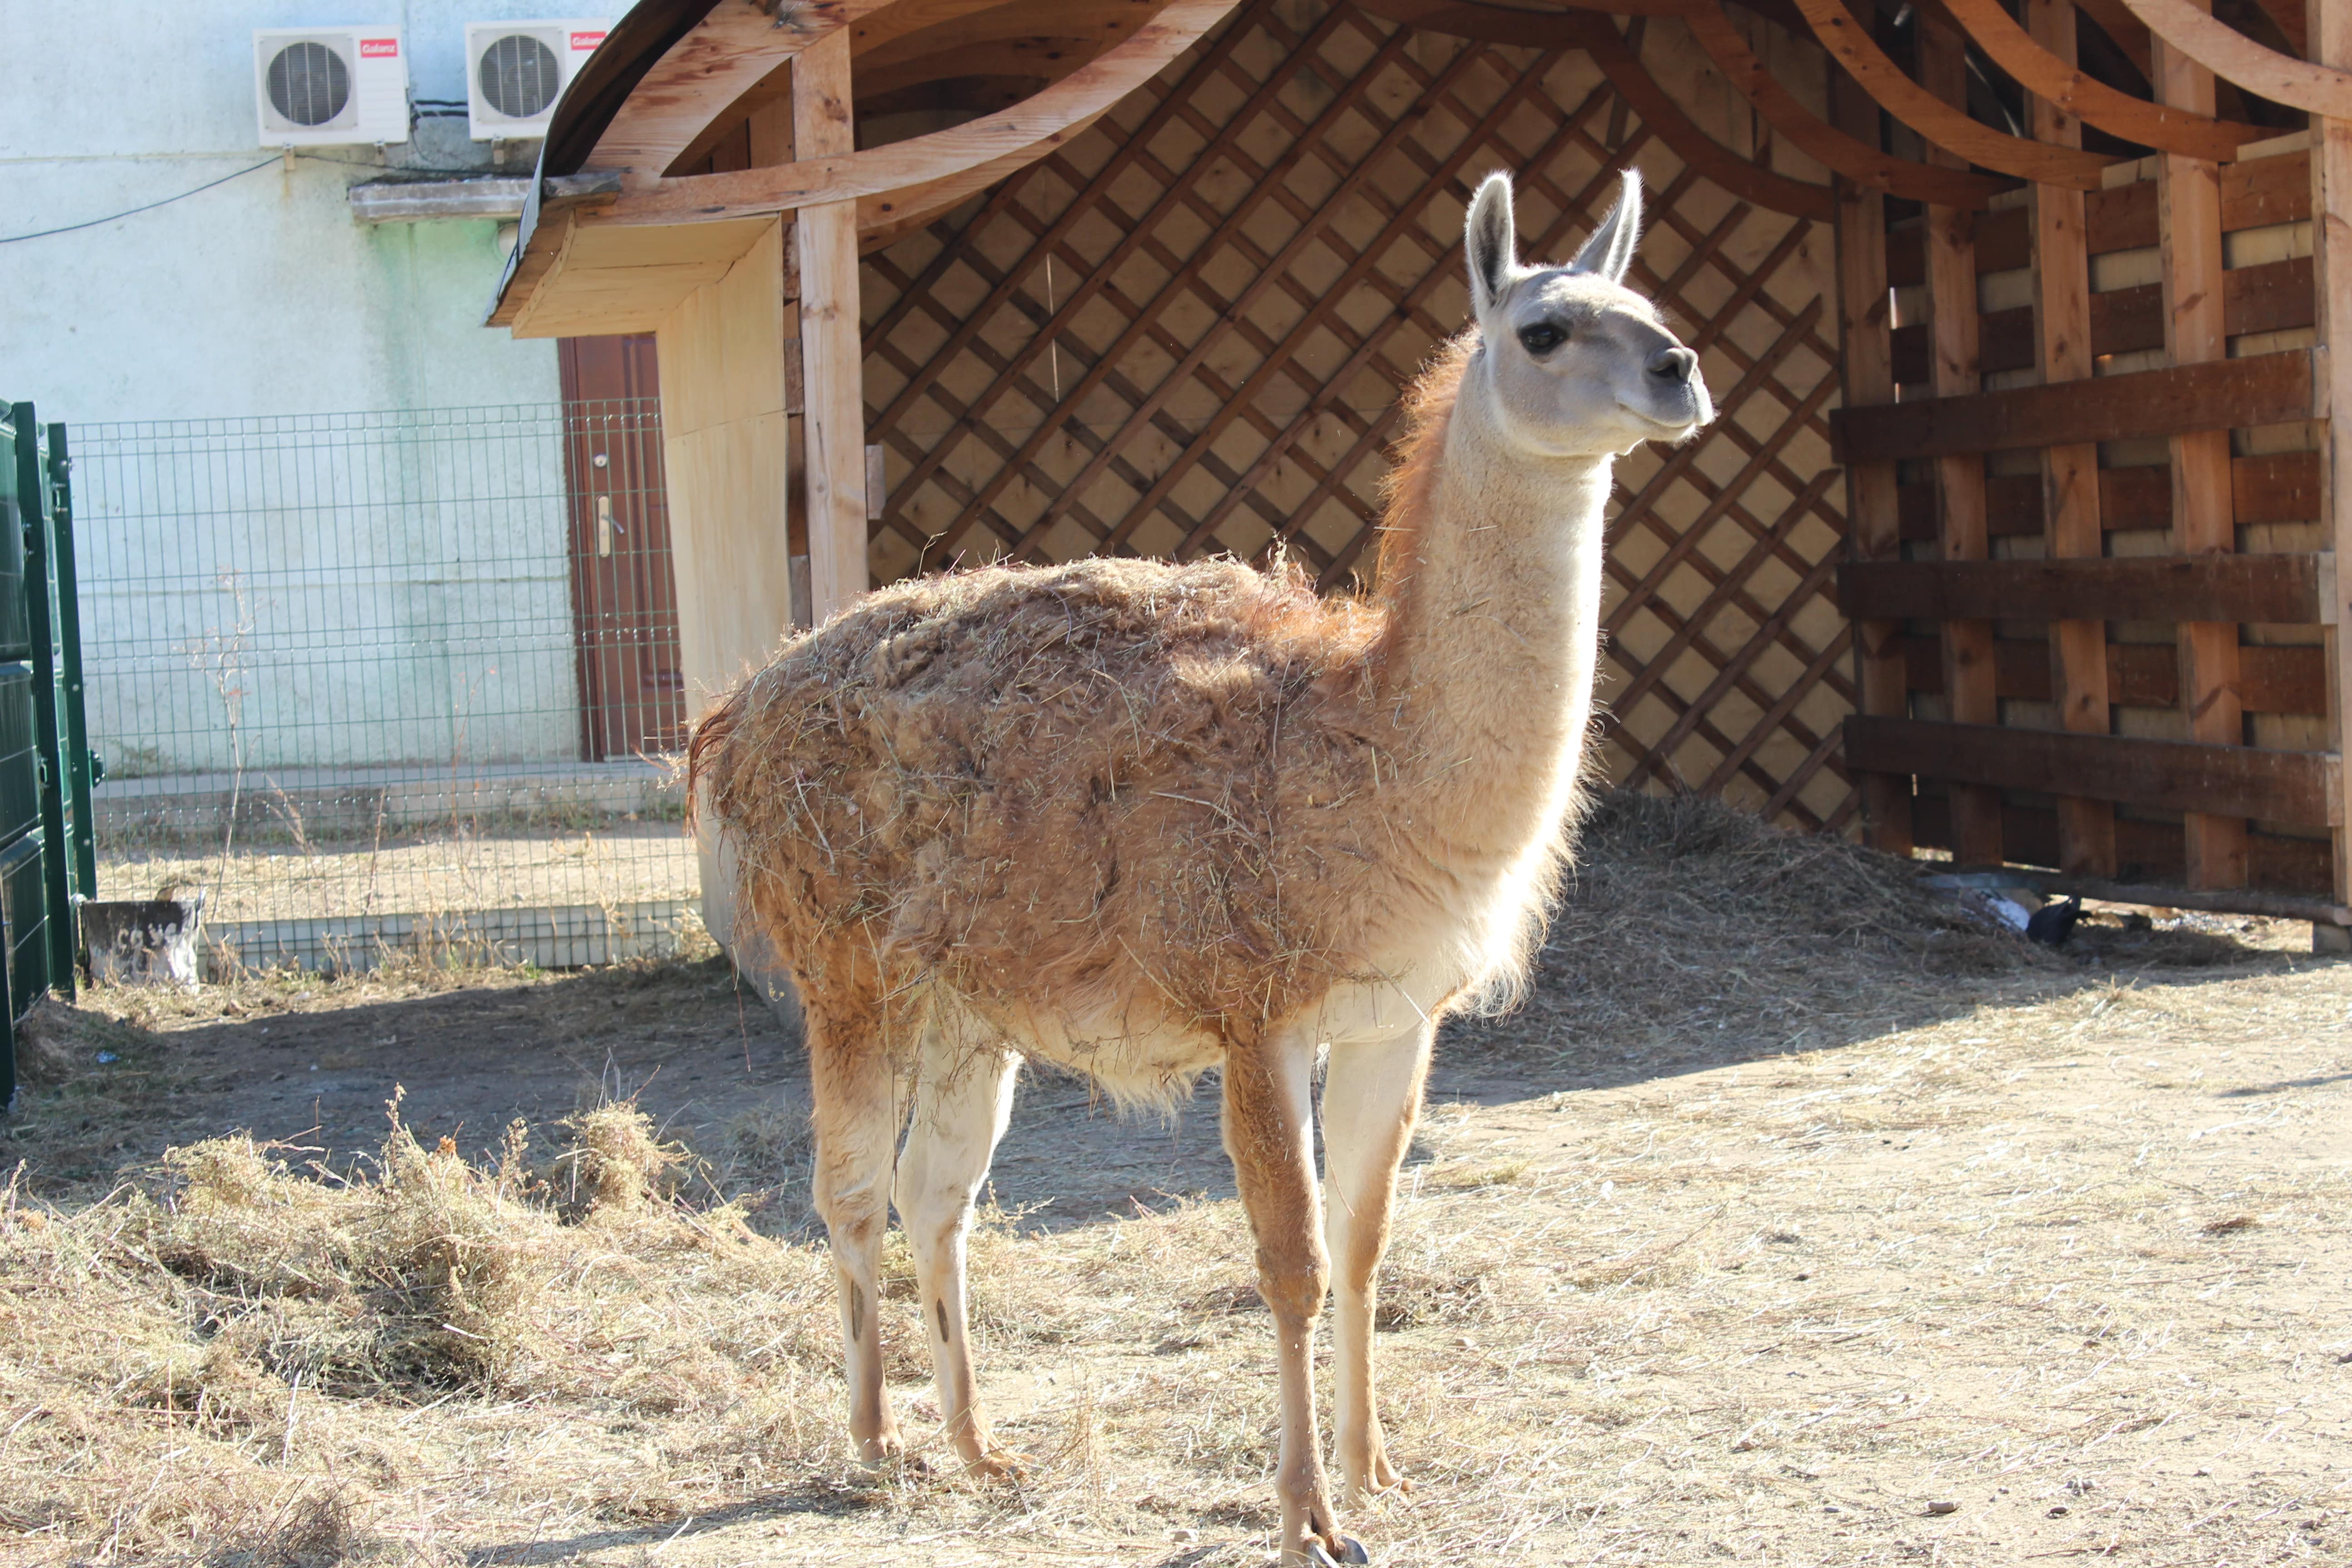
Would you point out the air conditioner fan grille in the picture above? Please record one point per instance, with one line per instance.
(309, 83)
(519, 76)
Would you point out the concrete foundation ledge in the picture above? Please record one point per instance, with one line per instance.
(559, 936)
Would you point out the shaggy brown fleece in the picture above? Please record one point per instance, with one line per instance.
(895, 776)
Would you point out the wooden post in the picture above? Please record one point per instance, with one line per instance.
(2188, 210)
(832, 357)
(2329, 29)
(2070, 474)
(1951, 254)
(1867, 343)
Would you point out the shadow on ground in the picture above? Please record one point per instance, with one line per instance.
(1691, 937)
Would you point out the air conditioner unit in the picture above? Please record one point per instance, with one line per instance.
(326, 86)
(516, 71)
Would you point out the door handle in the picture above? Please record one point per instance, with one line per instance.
(604, 526)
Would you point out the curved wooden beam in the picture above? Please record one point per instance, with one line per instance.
(2230, 54)
(2123, 30)
(1938, 121)
(911, 27)
(885, 217)
(1597, 35)
(2047, 77)
(1515, 24)
(1002, 140)
(730, 52)
(1858, 161)
(1665, 120)
(1045, 59)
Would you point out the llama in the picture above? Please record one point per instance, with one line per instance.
(1138, 820)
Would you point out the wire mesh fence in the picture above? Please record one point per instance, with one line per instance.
(378, 682)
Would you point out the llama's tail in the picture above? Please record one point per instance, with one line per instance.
(704, 751)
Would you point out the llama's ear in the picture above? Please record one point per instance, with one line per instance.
(1489, 237)
(1610, 251)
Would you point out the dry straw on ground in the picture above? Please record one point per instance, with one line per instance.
(1795, 1202)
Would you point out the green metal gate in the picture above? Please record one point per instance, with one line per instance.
(48, 855)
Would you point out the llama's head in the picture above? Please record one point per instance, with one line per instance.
(1578, 364)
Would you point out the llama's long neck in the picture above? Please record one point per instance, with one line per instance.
(1494, 616)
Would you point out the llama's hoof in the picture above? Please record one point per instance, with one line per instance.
(1352, 1550)
(1010, 1466)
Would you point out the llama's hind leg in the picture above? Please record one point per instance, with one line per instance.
(963, 1097)
(1372, 1097)
(1269, 1132)
(854, 1089)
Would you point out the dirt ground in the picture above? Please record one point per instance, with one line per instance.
(1785, 1239)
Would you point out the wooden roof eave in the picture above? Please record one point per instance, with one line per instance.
(734, 48)
(565, 274)
(1000, 141)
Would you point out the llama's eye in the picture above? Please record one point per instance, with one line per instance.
(1542, 338)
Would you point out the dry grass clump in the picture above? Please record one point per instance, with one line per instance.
(1685, 915)
(234, 1358)
(616, 1165)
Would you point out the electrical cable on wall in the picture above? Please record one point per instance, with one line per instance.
(133, 212)
(225, 179)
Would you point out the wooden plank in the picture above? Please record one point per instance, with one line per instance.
(2329, 29)
(2221, 50)
(1873, 518)
(2149, 851)
(832, 423)
(2278, 590)
(2064, 344)
(1937, 119)
(2044, 64)
(2270, 296)
(2269, 486)
(2256, 194)
(1664, 119)
(1030, 128)
(2235, 902)
(725, 447)
(2264, 389)
(2127, 32)
(1856, 160)
(2329, 32)
(2189, 219)
(1960, 478)
(2273, 680)
(727, 54)
(2299, 788)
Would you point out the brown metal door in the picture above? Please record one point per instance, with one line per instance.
(624, 596)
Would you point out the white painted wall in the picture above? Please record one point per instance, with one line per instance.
(262, 297)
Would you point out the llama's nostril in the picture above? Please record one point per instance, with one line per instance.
(1674, 364)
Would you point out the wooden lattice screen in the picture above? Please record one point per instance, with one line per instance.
(1184, 333)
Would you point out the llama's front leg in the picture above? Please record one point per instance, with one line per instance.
(963, 1097)
(857, 1120)
(1269, 1132)
(1372, 1097)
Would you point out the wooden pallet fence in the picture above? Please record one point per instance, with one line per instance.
(2128, 497)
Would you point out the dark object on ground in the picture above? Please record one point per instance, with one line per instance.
(143, 941)
(2053, 923)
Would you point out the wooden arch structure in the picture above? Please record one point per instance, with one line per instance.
(1145, 275)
